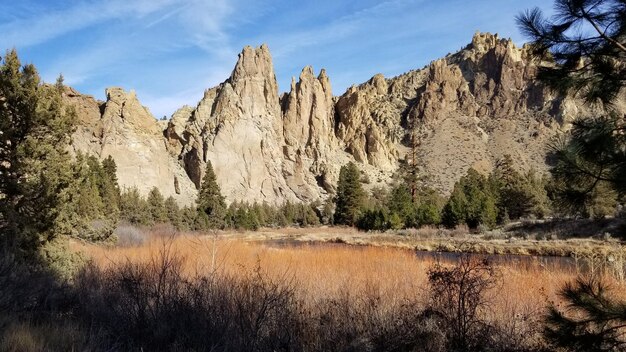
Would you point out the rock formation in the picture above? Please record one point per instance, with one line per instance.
(238, 127)
(465, 110)
(123, 128)
(310, 147)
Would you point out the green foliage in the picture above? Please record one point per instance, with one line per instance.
(520, 195)
(455, 210)
(400, 203)
(241, 216)
(35, 168)
(374, 220)
(428, 213)
(473, 201)
(134, 208)
(156, 206)
(210, 200)
(585, 38)
(174, 213)
(429, 206)
(350, 195)
(591, 166)
(188, 218)
(109, 188)
(586, 41)
(592, 319)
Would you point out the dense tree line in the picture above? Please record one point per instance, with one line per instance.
(476, 200)
(211, 212)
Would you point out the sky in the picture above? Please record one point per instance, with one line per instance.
(170, 51)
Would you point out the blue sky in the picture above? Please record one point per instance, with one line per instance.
(170, 51)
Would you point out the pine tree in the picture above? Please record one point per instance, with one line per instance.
(210, 200)
(350, 195)
(156, 206)
(590, 321)
(585, 39)
(35, 167)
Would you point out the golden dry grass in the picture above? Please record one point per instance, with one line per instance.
(325, 270)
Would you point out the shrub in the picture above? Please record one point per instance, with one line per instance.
(458, 298)
(154, 306)
(129, 235)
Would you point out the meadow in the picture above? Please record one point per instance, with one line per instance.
(358, 297)
(292, 290)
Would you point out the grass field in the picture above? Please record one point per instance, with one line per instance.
(296, 289)
(322, 270)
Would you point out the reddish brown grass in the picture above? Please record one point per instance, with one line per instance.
(324, 270)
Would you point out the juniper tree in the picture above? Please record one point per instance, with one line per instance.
(109, 189)
(473, 201)
(133, 208)
(350, 195)
(35, 168)
(210, 200)
(519, 194)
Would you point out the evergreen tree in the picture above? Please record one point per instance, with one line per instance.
(429, 207)
(289, 211)
(89, 204)
(401, 204)
(156, 206)
(590, 321)
(35, 168)
(210, 200)
(173, 212)
(134, 209)
(455, 210)
(350, 195)
(472, 201)
(188, 218)
(520, 195)
(109, 189)
(586, 40)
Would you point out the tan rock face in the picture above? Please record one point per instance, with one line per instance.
(308, 130)
(465, 110)
(131, 135)
(370, 123)
(238, 127)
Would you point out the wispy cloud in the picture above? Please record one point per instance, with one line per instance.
(169, 51)
(40, 27)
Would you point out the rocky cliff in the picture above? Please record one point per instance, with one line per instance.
(123, 128)
(465, 110)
